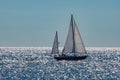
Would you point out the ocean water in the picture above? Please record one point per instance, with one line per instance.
(38, 64)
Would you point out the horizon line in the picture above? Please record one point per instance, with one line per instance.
(46, 47)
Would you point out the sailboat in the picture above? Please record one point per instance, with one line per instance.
(74, 48)
(55, 49)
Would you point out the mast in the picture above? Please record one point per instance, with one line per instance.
(72, 20)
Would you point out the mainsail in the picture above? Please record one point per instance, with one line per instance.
(74, 43)
(69, 42)
(55, 45)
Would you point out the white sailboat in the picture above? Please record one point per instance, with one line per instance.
(74, 48)
(55, 49)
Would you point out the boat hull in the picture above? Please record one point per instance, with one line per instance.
(73, 58)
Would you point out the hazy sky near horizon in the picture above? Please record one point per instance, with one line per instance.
(34, 22)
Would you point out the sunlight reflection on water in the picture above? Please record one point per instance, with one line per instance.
(37, 64)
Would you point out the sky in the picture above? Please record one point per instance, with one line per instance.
(32, 23)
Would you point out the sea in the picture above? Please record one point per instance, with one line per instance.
(36, 63)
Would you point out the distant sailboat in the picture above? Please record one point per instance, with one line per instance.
(55, 45)
(74, 48)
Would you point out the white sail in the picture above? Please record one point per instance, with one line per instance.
(74, 43)
(79, 46)
(55, 45)
(69, 42)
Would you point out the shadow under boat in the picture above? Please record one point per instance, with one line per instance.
(71, 58)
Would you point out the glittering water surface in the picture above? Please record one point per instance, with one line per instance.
(38, 64)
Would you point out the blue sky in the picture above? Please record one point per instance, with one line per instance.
(34, 22)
